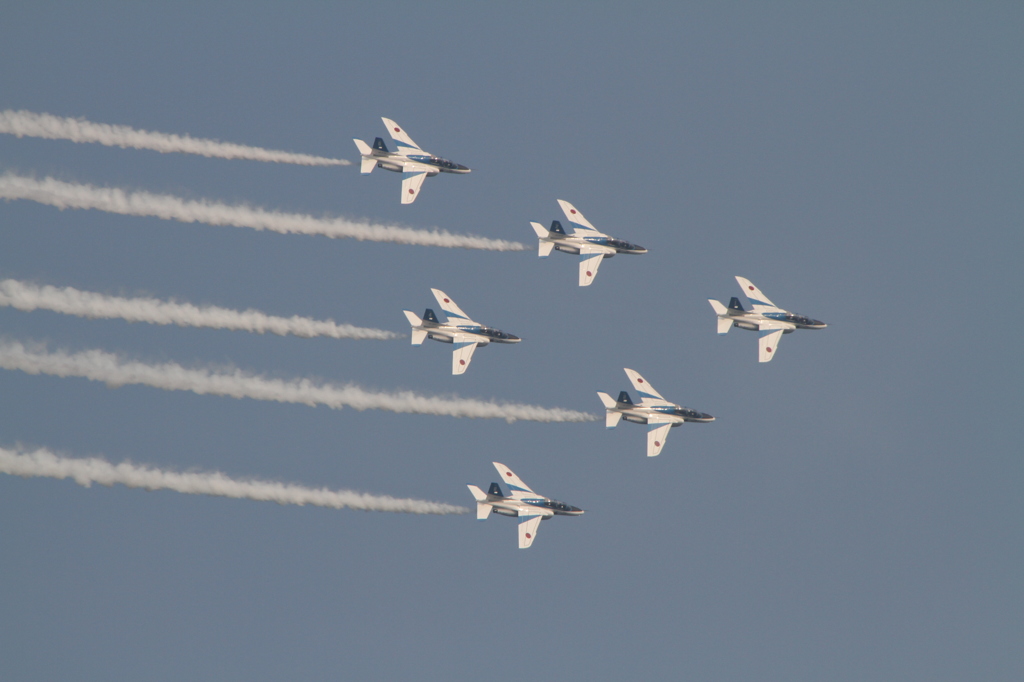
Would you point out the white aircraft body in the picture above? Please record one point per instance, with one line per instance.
(413, 163)
(770, 321)
(522, 502)
(591, 245)
(458, 329)
(659, 414)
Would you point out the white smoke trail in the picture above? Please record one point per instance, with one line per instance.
(71, 301)
(109, 368)
(113, 200)
(47, 126)
(85, 472)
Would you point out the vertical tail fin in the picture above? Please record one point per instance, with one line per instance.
(379, 145)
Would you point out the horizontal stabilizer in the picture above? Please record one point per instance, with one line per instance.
(718, 307)
(612, 418)
(419, 336)
(367, 165)
(539, 230)
(606, 400)
(364, 149)
(544, 248)
(413, 318)
(478, 494)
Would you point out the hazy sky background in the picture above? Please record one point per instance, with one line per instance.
(855, 511)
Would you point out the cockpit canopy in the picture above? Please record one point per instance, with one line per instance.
(801, 319)
(444, 163)
(624, 245)
(496, 333)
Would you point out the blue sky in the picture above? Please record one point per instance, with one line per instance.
(854, 512)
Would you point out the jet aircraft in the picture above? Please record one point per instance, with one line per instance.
(768, 320)
(591, 245)
(659, 414)
(458, 329)
(522, 502)
(413, 163)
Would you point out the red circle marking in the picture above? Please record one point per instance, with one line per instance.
(508, 473)
(751, 288)
(639, 380)
(528, 536)
(572, 210)
(657, 444)
(411, 192)
(447, 301)
(462, 362)
(768, 349)
(589, 273)
(398, 130)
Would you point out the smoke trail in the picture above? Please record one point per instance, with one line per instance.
(235, 383)
(29, 124)
(71, 301)
(113, 200)
(85, 472)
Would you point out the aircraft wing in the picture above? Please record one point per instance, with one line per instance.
(768, 343)
(404, 144)
(758, 300)
(462, 353)
(517, 489)
(528, 529)
(648, 396)
(657, 433)
(591, 256)
(580, 225)
(454, 312)
(413, 176)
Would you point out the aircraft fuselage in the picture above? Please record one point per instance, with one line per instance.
(445, 333)
(396, 163)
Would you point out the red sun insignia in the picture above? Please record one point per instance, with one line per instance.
(508, 473)
(528, 536)
(589, 273)
(751, 288)
(447, 301)
(398, 130)
(639, 380)
(572, 210)
(657, 444)
(768, 349)
(412, 192)
(462, 362)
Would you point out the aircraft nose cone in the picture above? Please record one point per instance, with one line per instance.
(513, 338)
(464, 169)
(706, 417)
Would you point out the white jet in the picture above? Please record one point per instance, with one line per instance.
(770, 321)
(458, 329)
(591, 245)
(521, 502)
(413, 163)
(659, 414)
